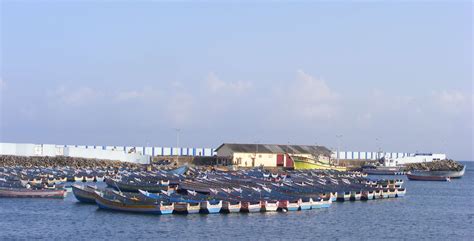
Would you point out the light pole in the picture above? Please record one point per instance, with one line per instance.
(379, 149)
(338, 147)
(177, 143)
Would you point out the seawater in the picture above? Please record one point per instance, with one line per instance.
(430, 210)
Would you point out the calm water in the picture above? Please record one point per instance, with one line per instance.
(430, 210)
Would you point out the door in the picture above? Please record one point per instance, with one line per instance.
(279, 160)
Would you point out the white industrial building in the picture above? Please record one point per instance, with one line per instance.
(414, 158)
(137, 154)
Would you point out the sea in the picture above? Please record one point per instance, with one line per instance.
(430, 210)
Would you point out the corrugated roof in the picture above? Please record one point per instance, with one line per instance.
(273, 148)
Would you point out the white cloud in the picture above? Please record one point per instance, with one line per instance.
(217, 85)
(452, 101)
(3, 84)
(311, 98)
(129, 95)
(313, 89)
(77, 96)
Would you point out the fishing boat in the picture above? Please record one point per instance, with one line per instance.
(293, 205)
(316, 204)
(417, 177)
(78, 178)
(250, 206)
(187, 208)
(89, 178)
(211, 206)
(392, 193)
(367, 195)
(326, 203)
(378, 194)
(231, 206)
(269, 206)
(134, 187)
(305, 203)
(343, 196)
(382, 170)
(385, 193)
(84, 194)
(400, 192)
(303, 163)
(355, 195)
(159, 207)
(32, 193)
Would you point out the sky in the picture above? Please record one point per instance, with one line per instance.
(395, 76)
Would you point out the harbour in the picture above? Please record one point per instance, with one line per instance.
(248, 120)
(423, 209)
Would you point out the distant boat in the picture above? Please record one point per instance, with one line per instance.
(383, 170)
(416, 177)
(450, 174)
(32, 193)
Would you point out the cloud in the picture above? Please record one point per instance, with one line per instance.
(313, 89)
(146, 94)
(311, 98)
(129, 95)
(76, 97)
(452, 101)
(217, 85)
(3, 84)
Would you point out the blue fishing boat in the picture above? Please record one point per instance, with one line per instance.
(109, 203)
(211, 206)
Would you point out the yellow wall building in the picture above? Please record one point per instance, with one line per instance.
(269, 155)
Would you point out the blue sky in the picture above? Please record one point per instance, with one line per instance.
(127, 73)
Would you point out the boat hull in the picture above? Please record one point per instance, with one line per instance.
(426, 178)
(230, 207)
(450, 174)
(248, 207)
(269, 206)
(83, 195)
(28, 193)
(107, 204)
(187, 208)
(207, 207)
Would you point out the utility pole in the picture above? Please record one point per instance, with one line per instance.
(379, 149)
